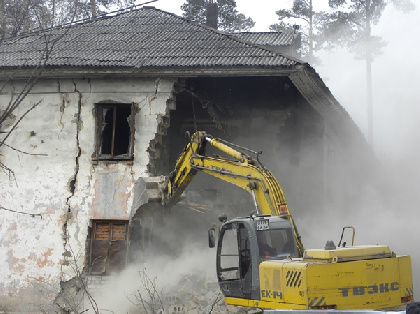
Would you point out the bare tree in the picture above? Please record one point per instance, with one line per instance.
(17, 97)
(148, 299)
(20, 16)
(69, 302)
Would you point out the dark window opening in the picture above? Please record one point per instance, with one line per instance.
(114, 131)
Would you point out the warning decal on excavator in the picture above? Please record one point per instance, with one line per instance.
(316, 302)
(262, 224)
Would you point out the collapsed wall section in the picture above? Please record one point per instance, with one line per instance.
(265, 114)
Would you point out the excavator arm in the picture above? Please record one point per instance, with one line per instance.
(240, 169)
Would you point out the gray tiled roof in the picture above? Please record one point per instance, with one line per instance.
(141, 38)
(154, 41)
(284, 38)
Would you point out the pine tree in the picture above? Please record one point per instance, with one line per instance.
(350, 25)
(309, 21)
(229, 19)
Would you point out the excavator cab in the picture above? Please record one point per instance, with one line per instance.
(258, 265)
(243, 244)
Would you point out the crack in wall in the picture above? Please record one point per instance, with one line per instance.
(154, 97)
(62, 106)
(72, 291)
(89, 94)
(72, 183)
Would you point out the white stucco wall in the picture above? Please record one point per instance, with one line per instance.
(31, 247)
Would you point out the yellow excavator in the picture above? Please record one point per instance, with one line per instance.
(261, 261)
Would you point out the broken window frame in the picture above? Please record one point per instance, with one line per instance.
(99, 115)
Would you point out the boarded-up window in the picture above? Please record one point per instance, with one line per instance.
(109, 246)
(114, 131)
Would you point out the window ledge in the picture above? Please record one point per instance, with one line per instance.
(112, 160)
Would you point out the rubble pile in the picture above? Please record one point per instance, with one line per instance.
(197, 296)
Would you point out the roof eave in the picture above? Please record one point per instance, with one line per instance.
(318, 95)
(63, 72)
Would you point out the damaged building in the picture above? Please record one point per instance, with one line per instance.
(106, 104)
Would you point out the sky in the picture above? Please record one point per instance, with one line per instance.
(263, 16)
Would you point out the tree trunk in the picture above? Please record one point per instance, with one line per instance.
(369, 100)
(369, 74)
(311, 34)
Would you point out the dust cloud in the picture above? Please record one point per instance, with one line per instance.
(174, 262)
(390, 212)
(173, 280)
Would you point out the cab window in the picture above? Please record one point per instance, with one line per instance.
(229, 254)
(276, 243)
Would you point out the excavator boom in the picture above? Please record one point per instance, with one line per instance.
(240, 169)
